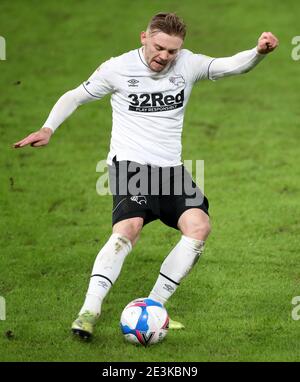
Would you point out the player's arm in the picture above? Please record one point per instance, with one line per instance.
(63, 108)
(243, 62)
(97, 86)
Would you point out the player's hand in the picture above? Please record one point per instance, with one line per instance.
(267, 42)
(39, 138)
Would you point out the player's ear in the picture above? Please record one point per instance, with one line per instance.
(143, 37)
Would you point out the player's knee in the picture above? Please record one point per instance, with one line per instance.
(197, 229)
(130, 228)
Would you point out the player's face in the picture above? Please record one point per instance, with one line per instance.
(160, 49)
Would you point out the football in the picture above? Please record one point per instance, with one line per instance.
(144, 321)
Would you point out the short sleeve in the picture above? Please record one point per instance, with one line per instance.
(100, 82)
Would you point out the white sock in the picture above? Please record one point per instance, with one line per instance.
(106, 270)
(175, 267)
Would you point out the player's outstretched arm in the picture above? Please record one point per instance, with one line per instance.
(244, 61)
(39, 138)
(97, 86)
(63, 108)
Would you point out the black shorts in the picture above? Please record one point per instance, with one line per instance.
(153, 192)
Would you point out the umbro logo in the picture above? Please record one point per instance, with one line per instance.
(133, 82)
(103, 284)
(139, 199)
(168, 288)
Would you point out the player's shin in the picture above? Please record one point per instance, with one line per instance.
(175, 267)
(105, 272)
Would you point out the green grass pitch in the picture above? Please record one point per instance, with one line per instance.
(237, 302)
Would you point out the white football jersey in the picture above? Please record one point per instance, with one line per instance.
(148, 107)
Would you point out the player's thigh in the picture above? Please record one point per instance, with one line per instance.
(188, 210)
(129, 228)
